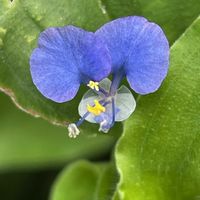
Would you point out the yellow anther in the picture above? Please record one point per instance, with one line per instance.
(93, 85)
(97, 109)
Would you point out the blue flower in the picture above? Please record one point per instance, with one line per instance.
(139, 51)
(65, 58)
(128, 47)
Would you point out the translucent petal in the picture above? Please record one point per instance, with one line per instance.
(124, 104)
(88, 98)
(105, 84)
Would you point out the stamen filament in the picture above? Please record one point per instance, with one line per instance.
(117, 78)
(113, 112)
(104, 92)
(81, 120)
(97, 89)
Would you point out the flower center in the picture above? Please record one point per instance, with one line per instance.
(106, 106)
(97, 109)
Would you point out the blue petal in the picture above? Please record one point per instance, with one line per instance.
(65, 58)
(139, 49)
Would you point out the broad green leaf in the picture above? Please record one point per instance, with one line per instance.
(107, 183)
(4, 5)
(174, 16)
(26, 142)
(158, 156)
(84, 180)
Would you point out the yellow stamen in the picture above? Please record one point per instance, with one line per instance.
(93, 85)
(97, 109)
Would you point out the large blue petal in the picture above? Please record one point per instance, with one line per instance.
(139, 49)
(65, 58)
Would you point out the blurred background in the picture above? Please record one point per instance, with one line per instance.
(32, 152)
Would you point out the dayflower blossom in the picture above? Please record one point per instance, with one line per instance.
(128, 47)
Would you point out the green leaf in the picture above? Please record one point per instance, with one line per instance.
(158, 156)
(84, 180)
(107, 182)
(174, 16)
(4, 5)
(26, 142)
